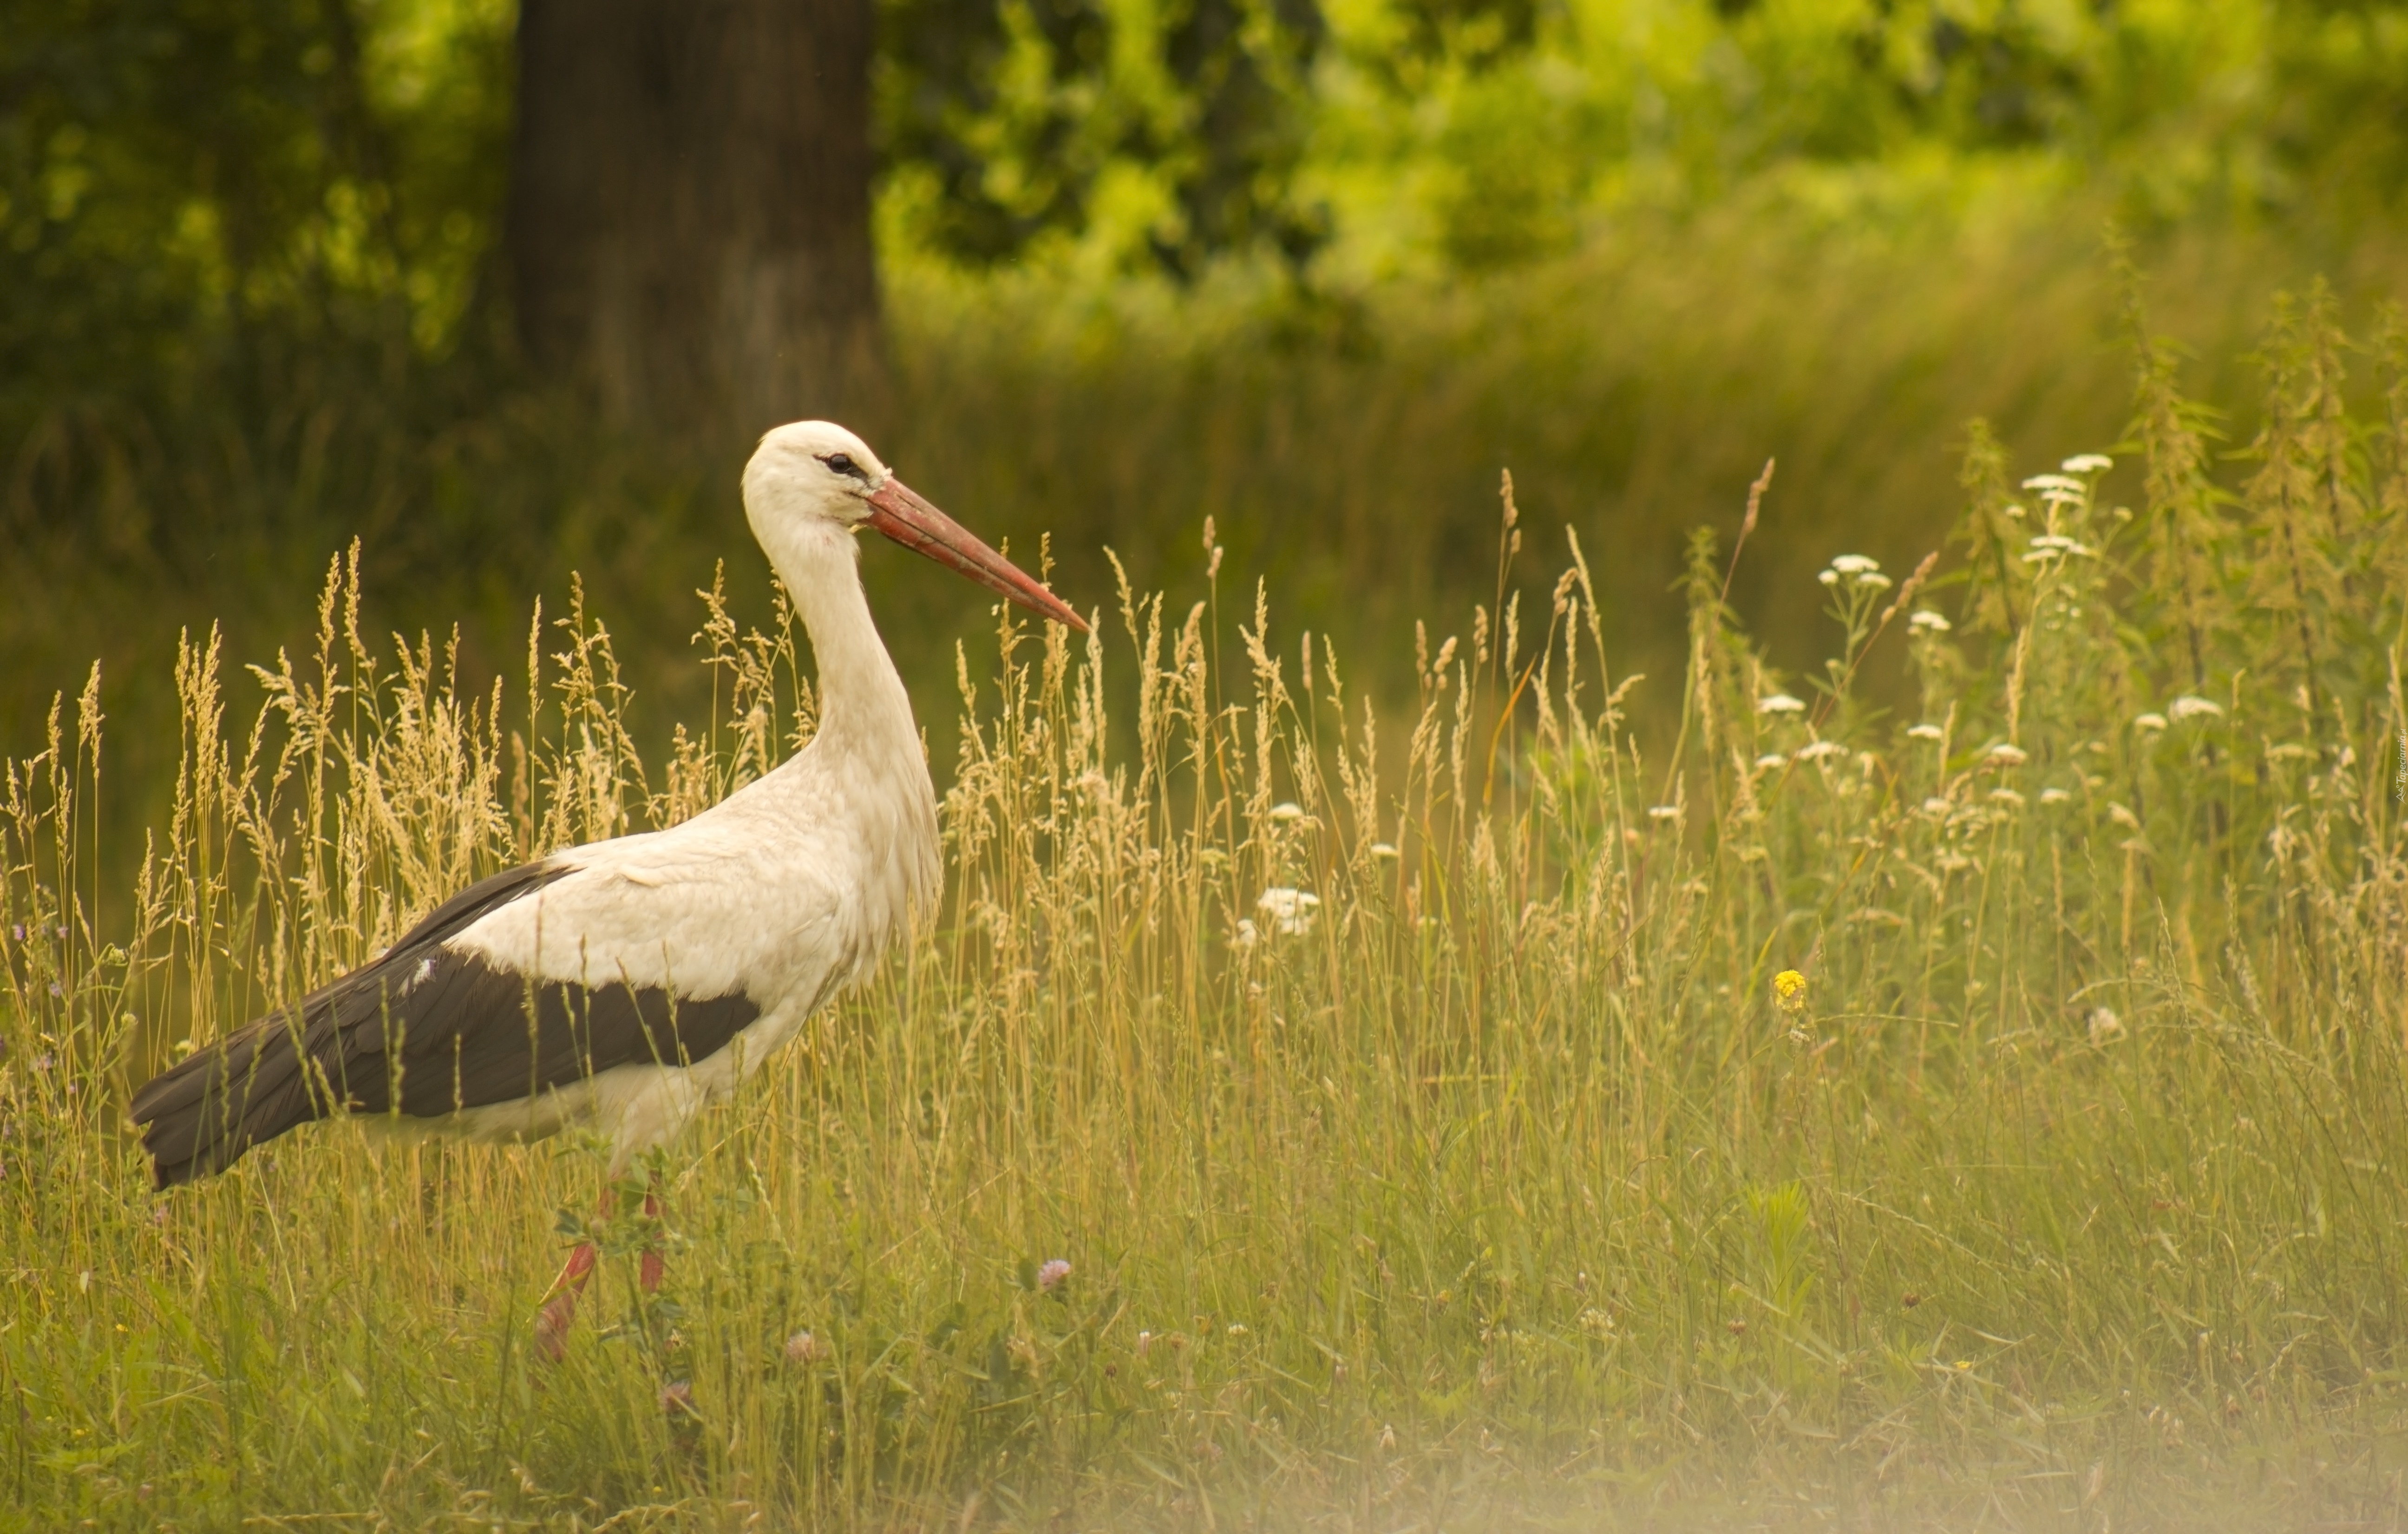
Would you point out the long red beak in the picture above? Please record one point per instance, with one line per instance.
(897, 511)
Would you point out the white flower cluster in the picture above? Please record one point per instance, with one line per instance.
(1779, 703)
(2051, 545)
(1289, 912)
(1856, 570)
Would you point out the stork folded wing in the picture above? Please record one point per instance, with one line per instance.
(425, 1030)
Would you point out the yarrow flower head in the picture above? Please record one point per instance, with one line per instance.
(1054, 1274)
(2149, 722)
(2192, 705)
(1290, 910)
(1927, 732)
(2087, 462)
(1779, 703)
(2056, 481)
(1854, 564)
(1925, 620)
(1790, 988)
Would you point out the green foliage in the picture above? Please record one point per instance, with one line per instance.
(2060, 1186)
(1165, 131)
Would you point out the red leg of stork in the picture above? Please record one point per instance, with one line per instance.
(553, 1322)
(559, 1312)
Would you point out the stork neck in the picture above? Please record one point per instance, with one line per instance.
(862, 699)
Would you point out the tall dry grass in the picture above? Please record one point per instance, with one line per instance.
(1409, 1094)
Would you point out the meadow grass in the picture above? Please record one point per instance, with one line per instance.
(1984, 1113)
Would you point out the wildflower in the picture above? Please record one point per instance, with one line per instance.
(2105, 1027)
(1820, 749)
(2087, 462)
(1935, 807)
(1854, 564)
(2053, 796)
(1927, 732)
(2056, 481)
(1382, 849)
(1287, 811)
(2007, 753)
(1779, 703)
(2014, 512)
(1873, 581)
(2122, 815)
(1789, 987)
(1771, 760)
(2149, 722)
(1663, 811)
(1829, 578)
(1247, 937)
(1054, 1274)
(2007, 795)
(805, 1348)
(1925, 620)
(2192, 705)
(1290, 910)
(1239, 1329)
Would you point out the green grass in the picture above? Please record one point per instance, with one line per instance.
(1506, 1191)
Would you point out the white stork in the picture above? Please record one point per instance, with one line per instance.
(627, 983)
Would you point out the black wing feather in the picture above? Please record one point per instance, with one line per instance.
(422, 1031)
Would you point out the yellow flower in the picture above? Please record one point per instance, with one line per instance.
(1790, 986)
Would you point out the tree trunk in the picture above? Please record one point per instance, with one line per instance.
(688, 214)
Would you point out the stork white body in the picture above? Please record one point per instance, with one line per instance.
(787, 890)
(629, 983)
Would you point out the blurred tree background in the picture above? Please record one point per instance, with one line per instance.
(1318, 269)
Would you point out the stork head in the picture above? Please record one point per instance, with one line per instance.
(815, 474)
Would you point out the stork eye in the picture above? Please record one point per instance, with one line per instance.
(842, 462)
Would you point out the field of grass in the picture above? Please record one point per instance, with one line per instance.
(1987, 1112)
